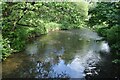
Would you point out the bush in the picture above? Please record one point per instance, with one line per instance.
(6, 48)
(113, 34)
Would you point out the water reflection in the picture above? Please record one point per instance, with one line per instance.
(61, 69)
(105, 47)
(69, 54)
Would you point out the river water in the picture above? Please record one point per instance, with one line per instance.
(62, 54)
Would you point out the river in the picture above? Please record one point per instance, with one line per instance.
(62, 54)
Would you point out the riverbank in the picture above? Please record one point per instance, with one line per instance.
(23, 35)
(111, 35)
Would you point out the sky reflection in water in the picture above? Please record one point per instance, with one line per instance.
(61, 54)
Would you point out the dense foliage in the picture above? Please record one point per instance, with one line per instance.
(105, 19)
(25, 20)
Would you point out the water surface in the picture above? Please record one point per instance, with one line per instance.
(61, 54)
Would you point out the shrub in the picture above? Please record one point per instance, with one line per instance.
(6, 48)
